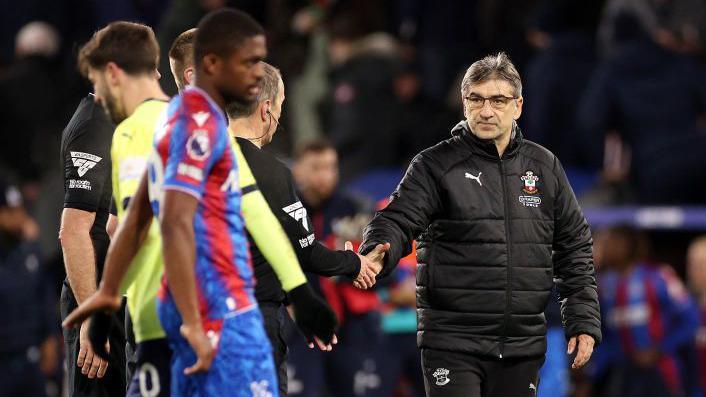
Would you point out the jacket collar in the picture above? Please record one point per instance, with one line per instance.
(486, 147)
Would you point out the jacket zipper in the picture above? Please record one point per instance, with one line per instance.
(508, 286)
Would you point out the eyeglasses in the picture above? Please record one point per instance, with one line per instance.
(498, 102)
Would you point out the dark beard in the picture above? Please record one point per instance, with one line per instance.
(115, 116)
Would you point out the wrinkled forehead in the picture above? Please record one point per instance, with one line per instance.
(491, 87)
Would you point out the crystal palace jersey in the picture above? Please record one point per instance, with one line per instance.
(193, 154)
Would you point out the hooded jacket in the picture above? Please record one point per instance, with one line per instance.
(494, 234)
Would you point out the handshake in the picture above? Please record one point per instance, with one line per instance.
(370, 265)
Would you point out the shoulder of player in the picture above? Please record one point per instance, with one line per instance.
(257, 157)
(196, 113)
(89, 118)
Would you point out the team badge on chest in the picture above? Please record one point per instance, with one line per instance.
(530, 182)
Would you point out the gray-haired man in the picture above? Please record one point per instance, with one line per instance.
(496, 221)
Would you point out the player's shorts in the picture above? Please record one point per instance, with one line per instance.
(243, 365)
(152, 376)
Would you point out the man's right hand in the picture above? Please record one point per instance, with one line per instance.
(314, 317)
(90, 363)
(370, 265)
(199, 341)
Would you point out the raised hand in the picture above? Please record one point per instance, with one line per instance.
(373, 263)
(368, 270)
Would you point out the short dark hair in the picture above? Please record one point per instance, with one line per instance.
(319, 145)
(222, 31)
(498, 66)
(131, 46)
(181, 54)
(269, 89)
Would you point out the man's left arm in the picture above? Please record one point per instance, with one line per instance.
(573, 269)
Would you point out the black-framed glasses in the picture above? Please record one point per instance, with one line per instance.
(498, 102)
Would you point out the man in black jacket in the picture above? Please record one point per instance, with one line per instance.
(496, 221)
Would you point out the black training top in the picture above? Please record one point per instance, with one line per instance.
(85, 157)
(276, 183)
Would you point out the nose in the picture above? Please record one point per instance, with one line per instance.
(486, 111)
(259, 71)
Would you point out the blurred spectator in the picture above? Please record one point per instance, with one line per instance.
(362, 113)
(424, 122)
(28, 336)
(446, 38)
(352, 368)
(677, 24)
(696, 273)
(563, 35)
(653, 98)
(32, 105)
(648, 316)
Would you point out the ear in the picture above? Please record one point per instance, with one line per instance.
(189, 75)
(264, 109)
(113, 73)
(518, 110)
(211, 63)
(466, 113)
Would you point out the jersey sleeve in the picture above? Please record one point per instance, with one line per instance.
(193, 151)
(265, 229)
(248, 183)
(87, 168)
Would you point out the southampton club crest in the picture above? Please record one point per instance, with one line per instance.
(442, 376)
(530, 180)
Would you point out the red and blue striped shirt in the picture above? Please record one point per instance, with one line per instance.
(193, 155)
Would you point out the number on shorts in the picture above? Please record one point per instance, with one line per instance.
(149, 370)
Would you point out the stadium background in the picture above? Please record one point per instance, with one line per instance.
(615, 88)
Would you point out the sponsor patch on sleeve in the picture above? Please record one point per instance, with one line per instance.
(79, 184)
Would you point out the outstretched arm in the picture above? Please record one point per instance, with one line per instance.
(411, 208)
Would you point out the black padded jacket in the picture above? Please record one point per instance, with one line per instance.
(494, 234)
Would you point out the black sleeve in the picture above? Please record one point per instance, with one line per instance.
(573, 263)
(313, 256)
(87, 168)
(411, 207)
(114, 208)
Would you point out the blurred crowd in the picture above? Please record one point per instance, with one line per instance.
(615, 88)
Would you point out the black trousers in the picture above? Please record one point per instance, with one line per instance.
(113, 383)
(273, 314)
(152, 376)
(453, 374)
